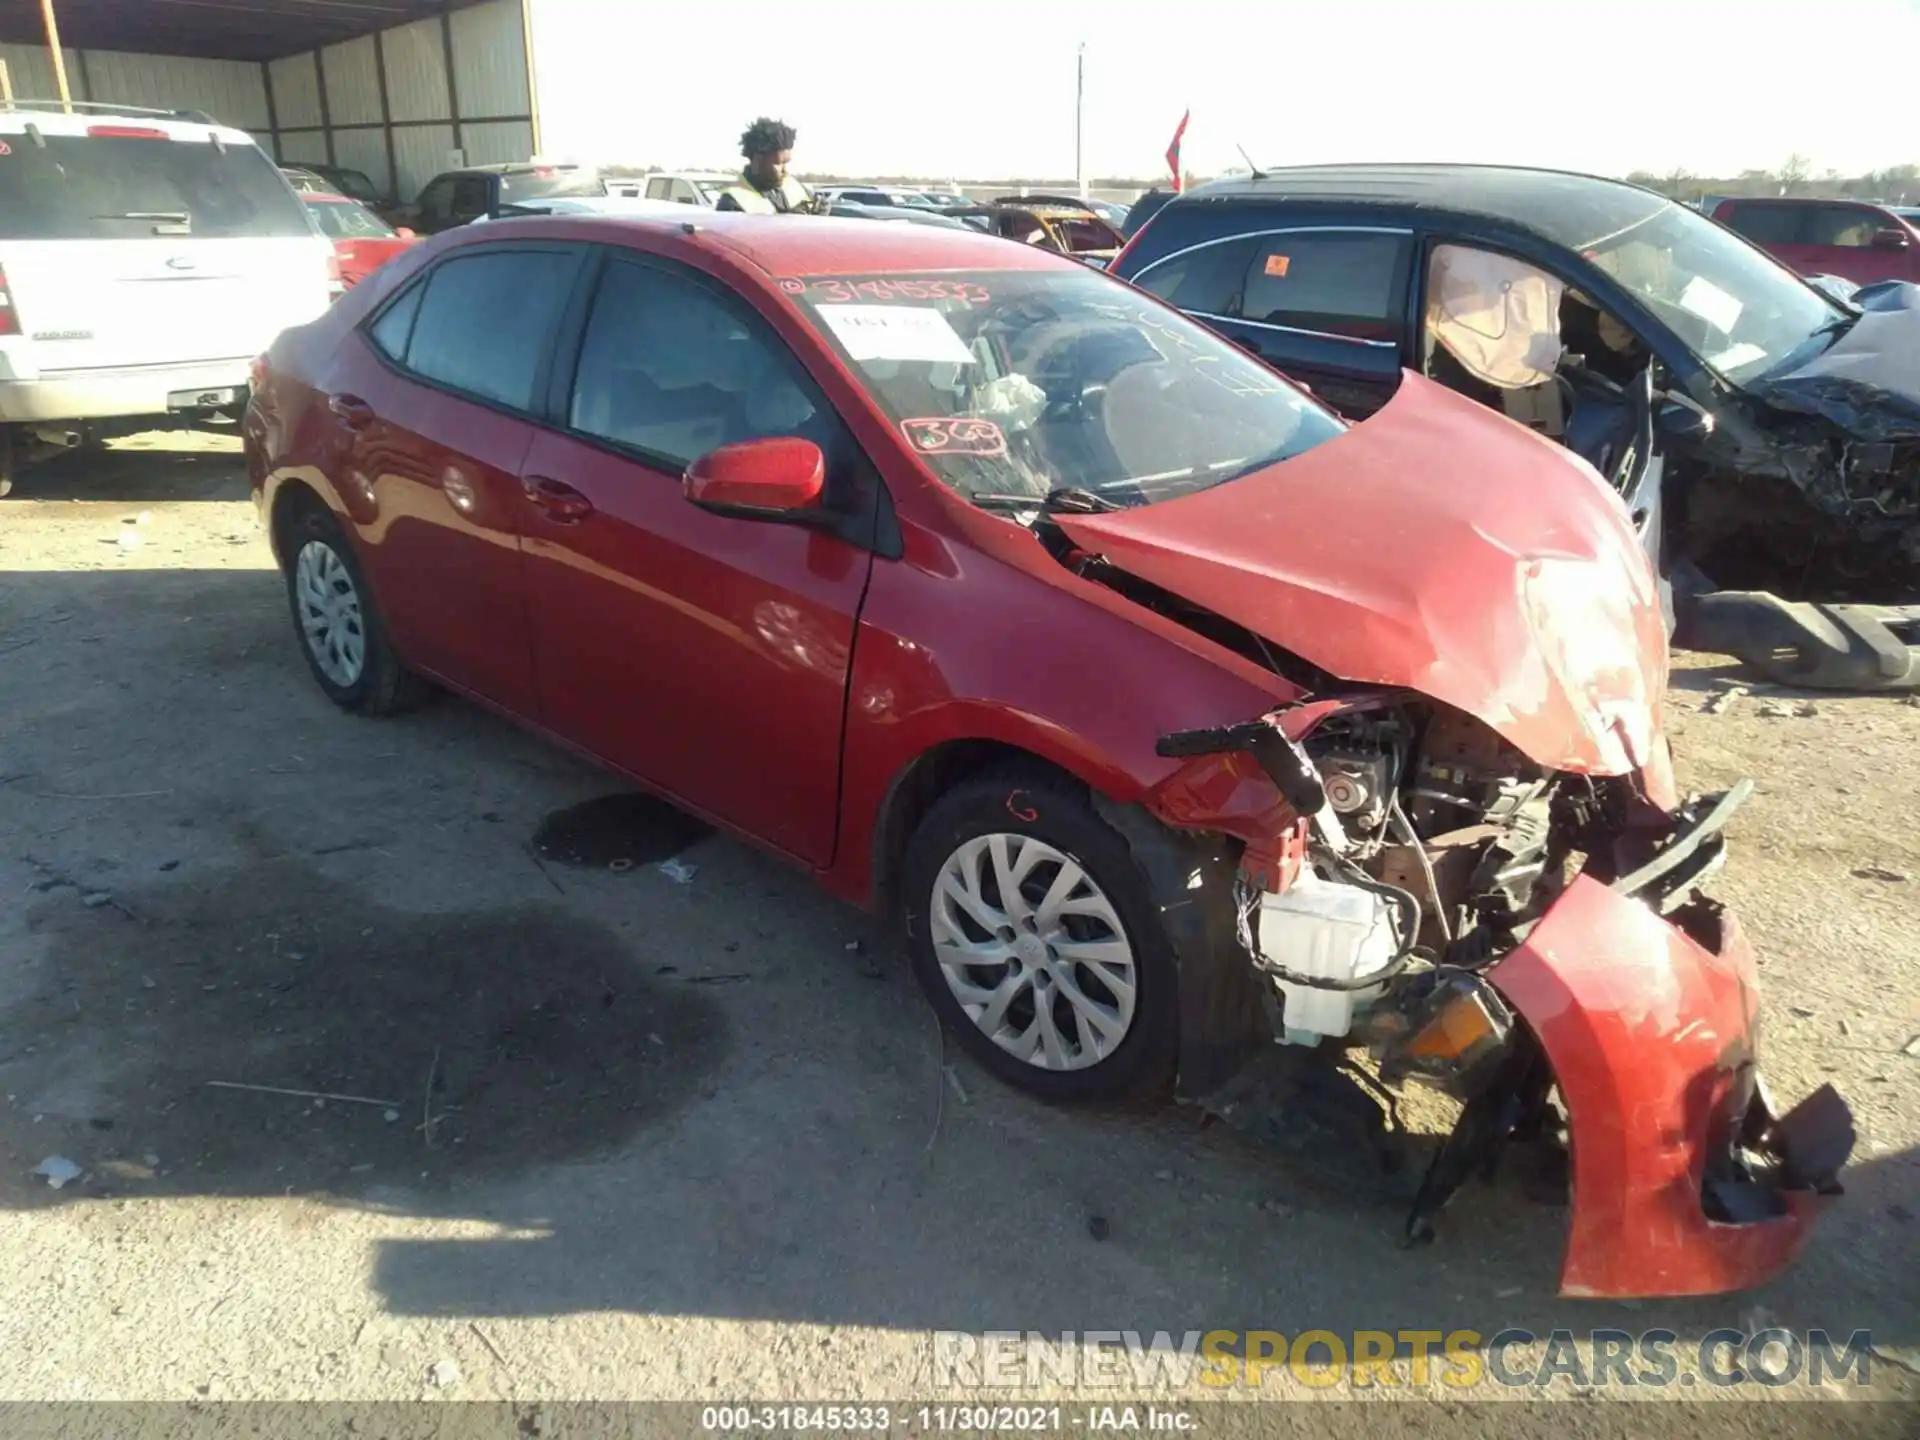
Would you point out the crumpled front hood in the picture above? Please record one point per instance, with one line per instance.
(1868, 380)
(1440, 548)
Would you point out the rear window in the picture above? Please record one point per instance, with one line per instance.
(544, 183)
(349, 220)
(96, 187)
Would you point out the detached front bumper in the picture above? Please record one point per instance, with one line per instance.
(1684, 1182)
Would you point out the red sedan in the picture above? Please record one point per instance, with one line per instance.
(1168, 714)
(362, 241)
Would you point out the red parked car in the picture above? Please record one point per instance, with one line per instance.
(1849, 238)
(362, 241)
(1148, 696)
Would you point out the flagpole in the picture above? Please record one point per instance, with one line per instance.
(1079, 113)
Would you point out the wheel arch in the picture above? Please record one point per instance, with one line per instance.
(291, 496)
(918, 785)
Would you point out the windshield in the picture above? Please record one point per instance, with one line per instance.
(101, 187)
(1735, 307)
(349, 220)
(1011, 385)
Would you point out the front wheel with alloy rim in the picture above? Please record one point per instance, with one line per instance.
(339, 628)
(1033, 938)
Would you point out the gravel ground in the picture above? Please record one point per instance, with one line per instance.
(636, 1138)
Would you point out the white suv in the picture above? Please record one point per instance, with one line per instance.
(145, 260)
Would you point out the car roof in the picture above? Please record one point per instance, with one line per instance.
(1584, 204)
(783, 245)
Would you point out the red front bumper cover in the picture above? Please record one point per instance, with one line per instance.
(1684, 1181)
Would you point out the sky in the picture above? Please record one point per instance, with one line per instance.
(985, 88)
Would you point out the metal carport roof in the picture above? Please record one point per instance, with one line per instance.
(212, 29)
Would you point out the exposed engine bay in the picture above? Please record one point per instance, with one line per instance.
(1424, 851)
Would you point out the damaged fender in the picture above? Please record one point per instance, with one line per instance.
(1650, 1034)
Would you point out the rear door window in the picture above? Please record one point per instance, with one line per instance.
(117, 187)
(394, 329)
(1332, 282)
(487, 321)
(659, 189)
(1765, 224)
(1203, 281)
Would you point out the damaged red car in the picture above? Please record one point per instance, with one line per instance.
(1169, 714)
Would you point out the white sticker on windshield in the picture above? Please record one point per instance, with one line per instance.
(1734, 356)
(896, 332)
(1711, 304)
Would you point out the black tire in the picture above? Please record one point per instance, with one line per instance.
(383, 686)
(1033, 802)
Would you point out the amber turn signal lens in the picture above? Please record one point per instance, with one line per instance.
(1460, 1025)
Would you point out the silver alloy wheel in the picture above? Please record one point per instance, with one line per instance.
(330, 613)
(1034, 952)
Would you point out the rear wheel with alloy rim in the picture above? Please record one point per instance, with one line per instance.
(1033, 939)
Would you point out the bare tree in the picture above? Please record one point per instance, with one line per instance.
(1794, 173)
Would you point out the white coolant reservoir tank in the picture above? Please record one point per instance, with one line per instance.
(1325, 928)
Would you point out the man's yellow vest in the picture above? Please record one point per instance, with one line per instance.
(754, 203)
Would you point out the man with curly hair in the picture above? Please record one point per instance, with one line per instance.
(764, 187)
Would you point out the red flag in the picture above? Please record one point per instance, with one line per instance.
(1173, 151)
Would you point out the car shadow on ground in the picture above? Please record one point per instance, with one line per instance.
(157, 468)
(715, 1098)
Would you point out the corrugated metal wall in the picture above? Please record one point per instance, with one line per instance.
(331, 105)
(455, 92)
(31, 69)
(232, 91)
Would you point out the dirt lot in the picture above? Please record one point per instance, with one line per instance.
(638, 1138)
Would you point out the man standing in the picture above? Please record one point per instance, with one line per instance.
(764, 187)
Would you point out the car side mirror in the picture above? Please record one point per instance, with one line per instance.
(1889, 239)
(1678, 419)
(780, 477)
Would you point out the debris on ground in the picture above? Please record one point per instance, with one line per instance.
(487, 1340)
(95, 900)
(1775, 710)
(1912, 1047)
(1098, 1227)
(58, 1170)
(1278, 1209)
(1724, 701)
(390, 1116)
(679, 871)
(444, 1373)
(1881, 872)
(959, 1090)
